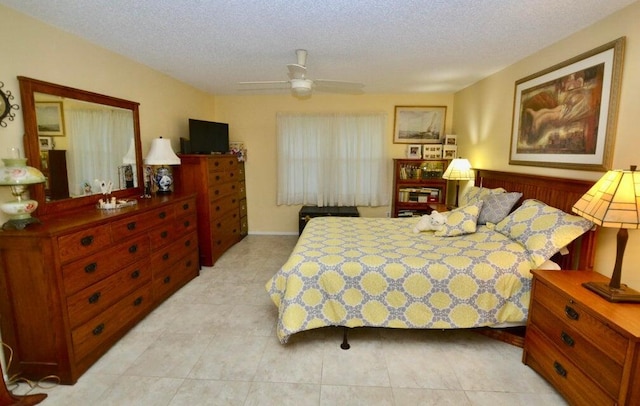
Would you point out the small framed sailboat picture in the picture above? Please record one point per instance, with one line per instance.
(419, 124)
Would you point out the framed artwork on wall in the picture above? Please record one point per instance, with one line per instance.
(419, 124)
(565, 116)
(50, 119)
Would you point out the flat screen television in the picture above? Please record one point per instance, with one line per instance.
(208, 137)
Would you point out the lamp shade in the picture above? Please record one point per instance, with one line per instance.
(16, 172)
(161, 153)
(614, 201)
(459, 169)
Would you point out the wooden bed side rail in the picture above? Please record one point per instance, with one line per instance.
(557, 192)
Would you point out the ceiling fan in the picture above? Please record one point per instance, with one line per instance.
(301, 85)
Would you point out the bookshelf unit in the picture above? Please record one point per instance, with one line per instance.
(418, 187)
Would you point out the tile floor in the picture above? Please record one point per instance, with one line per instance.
(214, 343)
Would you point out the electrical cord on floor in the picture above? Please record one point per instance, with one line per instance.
(14, 381)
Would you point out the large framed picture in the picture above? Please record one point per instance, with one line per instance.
(50, 119)
(419, 124)
(566, 115)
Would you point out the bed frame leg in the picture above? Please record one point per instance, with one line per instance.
(345, 342)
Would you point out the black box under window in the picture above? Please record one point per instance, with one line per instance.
(308, 212)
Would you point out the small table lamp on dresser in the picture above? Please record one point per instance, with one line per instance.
(614, 201)
(19, 176)
(162, 154)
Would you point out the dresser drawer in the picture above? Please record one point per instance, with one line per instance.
(543, 357)
(168, 255)
(574, 315)
(223, 205)
(90, 335)
(98, 297)
(222, 164)
(222, 189)
(186, 208)
(594, 362)
(167, 280)
(81, 243)
(186, 224)
(136, 224)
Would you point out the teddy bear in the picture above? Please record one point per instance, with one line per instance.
(429, 222)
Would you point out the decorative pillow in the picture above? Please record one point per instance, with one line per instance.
(497, 205)
(543, 230)
(475, 193)
(461, 221)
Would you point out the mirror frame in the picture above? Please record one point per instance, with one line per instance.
(30, 86)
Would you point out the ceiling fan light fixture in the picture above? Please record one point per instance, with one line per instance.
(301, 87)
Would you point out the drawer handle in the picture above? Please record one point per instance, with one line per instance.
(217, 192)
(86, 241)
(138, 301)
(571, 313)
(233, 187)
(189, 264)
(232, 174)
(217, 177)
(166, 279)
(91, 268)
(216, 163)
(567, 339)
(233, 201)
(185, 206)
(162, 214)
(187, 243)
(559, 369)
(131, 226)
(164, 234)
(217, 208)
(219, 225)
(165, 256)
(93, 299)
(133, 249)
(135, 274)
(187, 223)
(98, 330)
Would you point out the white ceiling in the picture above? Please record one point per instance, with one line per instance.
(392, 46)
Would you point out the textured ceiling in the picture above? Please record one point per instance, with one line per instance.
(390, 46)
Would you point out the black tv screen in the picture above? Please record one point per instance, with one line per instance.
(208, 137)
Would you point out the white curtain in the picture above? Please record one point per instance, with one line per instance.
(332, 159)
(99, 140)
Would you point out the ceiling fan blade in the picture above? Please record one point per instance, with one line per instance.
(264, 85)
(338, 86)
(297, 71)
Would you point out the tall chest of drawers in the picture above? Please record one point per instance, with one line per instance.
(218, 182)
(77, 283)
(585, 346)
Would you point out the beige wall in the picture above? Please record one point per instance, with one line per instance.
(33, 49)
(252, 119)
(482, 119)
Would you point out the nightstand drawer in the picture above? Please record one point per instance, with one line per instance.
(543, 357)
(578, 318)
(594, 362)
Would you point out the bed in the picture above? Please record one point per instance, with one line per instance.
(378, 272)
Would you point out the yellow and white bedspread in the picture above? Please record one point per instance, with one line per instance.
(354, 272)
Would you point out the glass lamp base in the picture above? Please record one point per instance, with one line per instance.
(624, 294)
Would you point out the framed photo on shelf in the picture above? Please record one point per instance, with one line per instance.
(432, 151)
(450, 151)
(50, 119)
(419, 124)
(414, 151)
(46, 143)
(565, 116)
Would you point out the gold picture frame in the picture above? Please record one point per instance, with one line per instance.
(50, 119)
(419, 124)
(566, 116)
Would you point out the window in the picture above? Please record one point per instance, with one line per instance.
(332, 159)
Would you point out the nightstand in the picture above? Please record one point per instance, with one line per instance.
(586, 347)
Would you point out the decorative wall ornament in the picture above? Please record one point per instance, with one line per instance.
(6, 106)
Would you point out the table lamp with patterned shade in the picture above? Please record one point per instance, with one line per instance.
(19, 176)
(614, 201)
(459, 169)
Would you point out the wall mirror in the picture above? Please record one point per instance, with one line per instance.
(76, 137)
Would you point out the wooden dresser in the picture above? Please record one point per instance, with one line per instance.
(76, 283)
(218, 182)
(585, 346)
